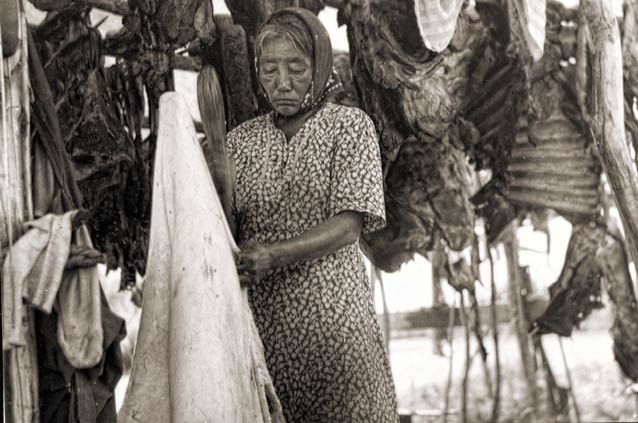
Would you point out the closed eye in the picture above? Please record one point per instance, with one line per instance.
(269, 69)
(297, 69)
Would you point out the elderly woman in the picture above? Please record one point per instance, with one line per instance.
(308, 183)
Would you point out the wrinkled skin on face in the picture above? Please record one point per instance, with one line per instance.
(285, 74)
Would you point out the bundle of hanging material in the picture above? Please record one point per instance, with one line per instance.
(198, 356)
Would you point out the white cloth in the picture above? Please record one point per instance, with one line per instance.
(198, 356)
(437, 21)
(33, 271)
(531, 22)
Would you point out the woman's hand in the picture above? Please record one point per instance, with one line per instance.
(253, 261)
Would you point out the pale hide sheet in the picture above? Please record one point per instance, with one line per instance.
(198, 356)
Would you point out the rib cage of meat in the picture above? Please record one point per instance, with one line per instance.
(556, 170)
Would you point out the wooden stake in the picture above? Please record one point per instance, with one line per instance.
(386, 311)
(497, 357)
(569, 379)
(468, 359)
(438, 259)
(520, 322)
(450, 340)
(607, 114)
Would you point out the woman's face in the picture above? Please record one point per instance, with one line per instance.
(286, 74)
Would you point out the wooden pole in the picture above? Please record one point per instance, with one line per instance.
(20, 381)
(517, 302)
(386, 311)
(606, 109)
(450, 372)
(630, 64)
(497, 363)
(468, 360)
(569, 379)
(438, 261)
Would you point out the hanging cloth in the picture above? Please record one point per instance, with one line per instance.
(436, 20)
(529, 19)
(34, 270)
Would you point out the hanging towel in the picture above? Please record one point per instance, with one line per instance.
(198, 356)
(33, 269)
(437, 21)
(530, 21)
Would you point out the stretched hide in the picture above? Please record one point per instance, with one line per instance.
(198, 356)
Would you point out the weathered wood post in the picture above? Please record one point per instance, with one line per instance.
(606, 109)
(517, 302)
(438, 261)
(20, 381)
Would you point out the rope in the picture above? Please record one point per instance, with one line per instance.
(83, 257)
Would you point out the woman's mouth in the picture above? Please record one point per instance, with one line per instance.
(285, 102)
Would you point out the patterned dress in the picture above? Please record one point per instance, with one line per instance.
(323, 346)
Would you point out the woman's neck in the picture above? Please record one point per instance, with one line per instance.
(291, 125)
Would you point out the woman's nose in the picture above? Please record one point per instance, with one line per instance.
(283, 81)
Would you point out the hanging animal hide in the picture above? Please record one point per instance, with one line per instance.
(198, 356)
(577, 291)
(537, 149)
(106, 161)
(595, 253)
(612, 258)
(414, 98)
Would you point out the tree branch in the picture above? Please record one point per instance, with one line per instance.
(497, 383)
(450, 374)
(607, 115)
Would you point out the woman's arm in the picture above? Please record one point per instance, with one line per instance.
(325, 238)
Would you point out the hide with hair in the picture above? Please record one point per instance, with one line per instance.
(198, 356)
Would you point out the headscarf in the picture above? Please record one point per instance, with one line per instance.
(325, 81)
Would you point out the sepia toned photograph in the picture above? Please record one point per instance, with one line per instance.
(319, 211)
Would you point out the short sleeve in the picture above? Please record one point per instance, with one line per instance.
(356, 181)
